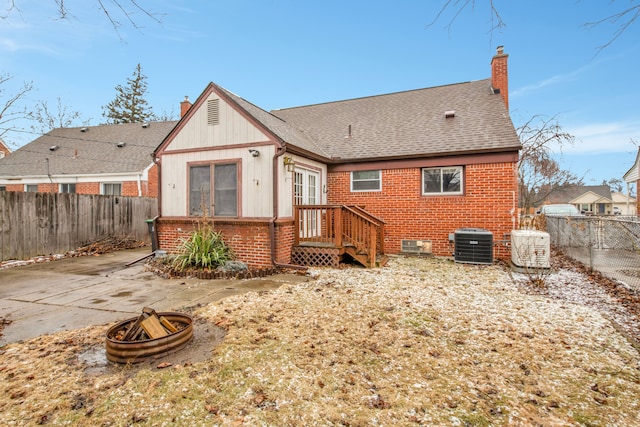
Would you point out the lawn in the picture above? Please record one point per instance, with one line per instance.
(419, 342)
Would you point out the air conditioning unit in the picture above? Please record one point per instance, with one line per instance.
(473, 246)
(416, 246)
(530, 248)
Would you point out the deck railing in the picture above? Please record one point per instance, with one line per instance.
(339, 226)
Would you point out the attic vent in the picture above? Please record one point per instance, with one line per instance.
(84, 129)
(145, 125)
(449, 114)
(53, 148)
(213, 112)
(121, 144)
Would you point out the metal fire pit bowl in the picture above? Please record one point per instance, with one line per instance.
(139, 351)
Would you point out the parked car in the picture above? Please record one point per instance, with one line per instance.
(559, 210)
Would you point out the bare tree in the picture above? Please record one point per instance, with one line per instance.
(114, 10)
(10, 109)
(623, 19)
(47, 118)
(614, 183)
(539, 175)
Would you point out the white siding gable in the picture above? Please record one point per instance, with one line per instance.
(232, 128)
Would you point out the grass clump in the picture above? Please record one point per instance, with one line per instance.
(203, 249)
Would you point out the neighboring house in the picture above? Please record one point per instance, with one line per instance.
(623, 204)
(590, 199)
(4, 149)
(633, 177)
(358, 177)
(107, 159)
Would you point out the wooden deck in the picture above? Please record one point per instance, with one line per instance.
(325, 234)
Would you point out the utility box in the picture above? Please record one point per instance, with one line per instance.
(530, 248)
(473, 246)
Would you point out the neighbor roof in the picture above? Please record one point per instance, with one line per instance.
(567, 194)
(88, 150)
(409, 124)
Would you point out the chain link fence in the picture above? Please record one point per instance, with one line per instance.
(610, 245)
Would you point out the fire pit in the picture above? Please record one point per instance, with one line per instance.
(149, 335)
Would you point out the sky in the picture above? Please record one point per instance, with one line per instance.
(287, 53)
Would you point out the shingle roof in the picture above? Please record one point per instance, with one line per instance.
(565, 195)
(409, 124)
(92, 151)
(287, 133)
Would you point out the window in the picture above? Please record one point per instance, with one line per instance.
(442, 181)
(67, 188)
(199, 190)
(366, 181)
(3, 188)
(225, 189)
(31, 188)
(111, 189)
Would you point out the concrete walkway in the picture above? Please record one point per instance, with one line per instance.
(72, 293)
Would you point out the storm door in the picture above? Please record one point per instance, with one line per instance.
(306, 191)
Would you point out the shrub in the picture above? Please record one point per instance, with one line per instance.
(203, 249)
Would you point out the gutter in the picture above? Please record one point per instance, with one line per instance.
(272, 222)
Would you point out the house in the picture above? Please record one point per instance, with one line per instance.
(106, 159)
(623, 204)
(359, 177)
(633, 177)
(589, 199)
(4, 149)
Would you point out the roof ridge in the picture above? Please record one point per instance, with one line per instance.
(380, 95)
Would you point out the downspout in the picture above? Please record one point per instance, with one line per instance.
(139, 185)
(156, 161)
(272, 223)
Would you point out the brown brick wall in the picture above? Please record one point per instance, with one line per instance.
(152, 184)
(487, 202)
(88, 188)
(249, 240)
(129, 188)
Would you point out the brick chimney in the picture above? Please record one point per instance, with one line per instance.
(499, 75)
(184, 106)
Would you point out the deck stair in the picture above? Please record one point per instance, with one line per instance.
(325, 234)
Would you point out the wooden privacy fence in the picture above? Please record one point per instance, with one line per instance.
(33, 224)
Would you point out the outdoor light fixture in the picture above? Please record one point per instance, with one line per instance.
(254, 153)
(289, 163)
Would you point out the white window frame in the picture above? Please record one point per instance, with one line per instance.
(111, 184)
(460, 171)
(28, 188)
(355, 180)
(64, 187)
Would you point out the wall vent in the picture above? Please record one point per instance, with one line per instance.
(213, 112)
(473, 246)
(416, 246)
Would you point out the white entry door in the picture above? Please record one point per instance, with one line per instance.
(306, 191)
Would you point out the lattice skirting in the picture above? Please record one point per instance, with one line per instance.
(318, 257)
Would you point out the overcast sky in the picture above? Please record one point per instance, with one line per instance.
(278, 54)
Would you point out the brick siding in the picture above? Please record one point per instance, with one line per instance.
(487, 201)
(249, 240)
(129, 188)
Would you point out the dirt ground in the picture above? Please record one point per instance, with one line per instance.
(419, 342)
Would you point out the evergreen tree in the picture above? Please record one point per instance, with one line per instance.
(130, 105)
